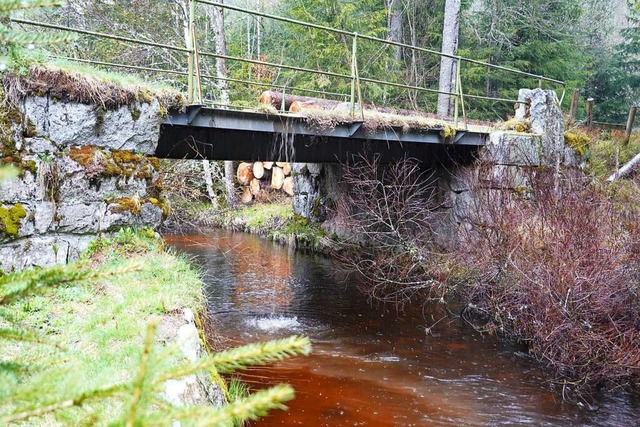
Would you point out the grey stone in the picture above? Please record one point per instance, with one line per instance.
(68, 124)
(44, 215)
(19, 189)
(40, 145)
(36, 109)
(542, 109)
(41, 251)
(80, 218)
(506, 148)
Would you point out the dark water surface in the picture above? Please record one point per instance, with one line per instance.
(372, 366)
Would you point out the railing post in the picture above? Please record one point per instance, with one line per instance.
(191, 63)
(630, 121)
(354, 69)
(589, 118)
(460, 94)
(573, 108)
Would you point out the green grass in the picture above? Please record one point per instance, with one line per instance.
(259, 216)
(603, 151)
(99, 327)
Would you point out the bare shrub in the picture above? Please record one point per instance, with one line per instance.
(559, 271)
(389, 211)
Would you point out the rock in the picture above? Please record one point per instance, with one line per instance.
(80, 218)
(20, 189)
(42, 251)
(135, 127)
(505, 148)
(541, 108)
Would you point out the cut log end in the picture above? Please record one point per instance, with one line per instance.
(244, 173)
(277, 178)
(287, 185)
(247, 197)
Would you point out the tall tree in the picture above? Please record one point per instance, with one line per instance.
(450, 33)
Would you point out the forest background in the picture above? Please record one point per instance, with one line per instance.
(592, 45)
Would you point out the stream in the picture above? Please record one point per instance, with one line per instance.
(373, 365)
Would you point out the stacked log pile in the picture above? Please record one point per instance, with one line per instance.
(261, 178)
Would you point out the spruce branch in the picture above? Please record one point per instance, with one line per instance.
(100, 393)
(249, 355)
(32, 281)
(138, 385)
(10, 36)
(11, 5)
(249, 408)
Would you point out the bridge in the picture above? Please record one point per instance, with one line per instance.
(217, 130)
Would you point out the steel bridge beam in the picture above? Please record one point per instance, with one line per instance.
(218, 134)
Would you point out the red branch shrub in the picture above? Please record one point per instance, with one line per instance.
(389, 211)
(559, 269)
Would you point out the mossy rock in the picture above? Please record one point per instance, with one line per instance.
(10, 219)
(577, 140)
(516, 125)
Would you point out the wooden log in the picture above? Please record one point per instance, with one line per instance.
(287, 185)
(246, 196)
(258, 170)
(277, 178)
(267, 165)
(274, 99)
(244, 173)
(625, 170)
(254, 186)
(286, 169)
(280, 164)
(313, 104)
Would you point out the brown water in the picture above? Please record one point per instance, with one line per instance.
(373, 366)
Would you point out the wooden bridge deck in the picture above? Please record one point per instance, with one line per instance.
(220, 134)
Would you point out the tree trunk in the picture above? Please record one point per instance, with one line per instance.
(394, 25)
(208, 180)
(448, 65)
(625, 170)
(223, 87)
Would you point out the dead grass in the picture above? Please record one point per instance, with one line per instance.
(65, 84)
(324, 120)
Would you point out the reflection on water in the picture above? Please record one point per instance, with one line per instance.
(372, 366)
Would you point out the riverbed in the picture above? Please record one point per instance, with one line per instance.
(374, 365)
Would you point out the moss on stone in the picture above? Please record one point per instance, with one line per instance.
(99, 162)
(10, 219)
(125, 204)
(577, 140)
(100, 115)
(135, 112)
(161, 203)
(516, 125)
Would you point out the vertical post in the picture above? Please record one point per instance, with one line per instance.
(354, 65)
(589, 118)
(573, 108)
(630, 121)
(460, 93)
(189, 37)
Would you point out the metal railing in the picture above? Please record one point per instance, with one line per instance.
(194, 75)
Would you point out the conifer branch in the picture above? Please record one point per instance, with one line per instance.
(249, 408)
(109, 391)
(10, 5)
(249, 355)
(138, 385)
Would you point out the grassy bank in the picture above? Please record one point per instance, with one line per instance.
(274, 221)
(95, 330)
(105, 342)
